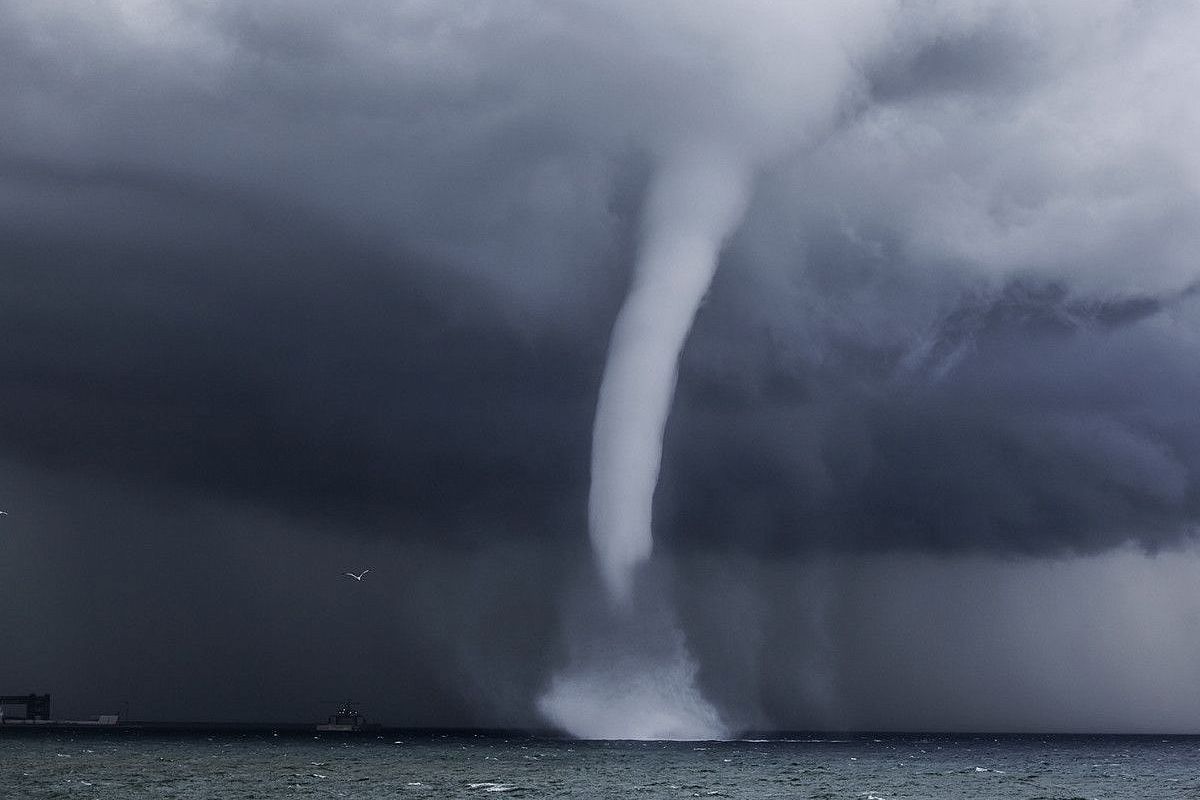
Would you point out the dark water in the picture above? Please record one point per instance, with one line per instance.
(130, 764)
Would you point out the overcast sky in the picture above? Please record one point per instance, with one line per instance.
(296, 288)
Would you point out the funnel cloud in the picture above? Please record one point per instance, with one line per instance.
(693, 205)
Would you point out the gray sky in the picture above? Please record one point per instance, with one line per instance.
(296, 289)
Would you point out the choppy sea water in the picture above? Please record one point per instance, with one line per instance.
(132, 764)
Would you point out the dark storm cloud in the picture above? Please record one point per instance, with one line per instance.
(355, 270)
(288, 363)
(269, 255)
(1031, 423)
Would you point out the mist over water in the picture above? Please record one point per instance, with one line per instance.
(630, 673)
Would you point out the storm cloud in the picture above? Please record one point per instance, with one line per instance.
(314, 280)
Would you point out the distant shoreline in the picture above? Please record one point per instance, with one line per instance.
(309, 730)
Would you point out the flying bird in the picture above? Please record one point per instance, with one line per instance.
(3, 513)
(357, 577)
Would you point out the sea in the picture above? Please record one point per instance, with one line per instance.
(128, 764)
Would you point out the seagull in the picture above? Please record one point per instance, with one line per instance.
(357, 577)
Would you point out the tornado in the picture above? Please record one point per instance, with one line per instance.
(696, 200)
